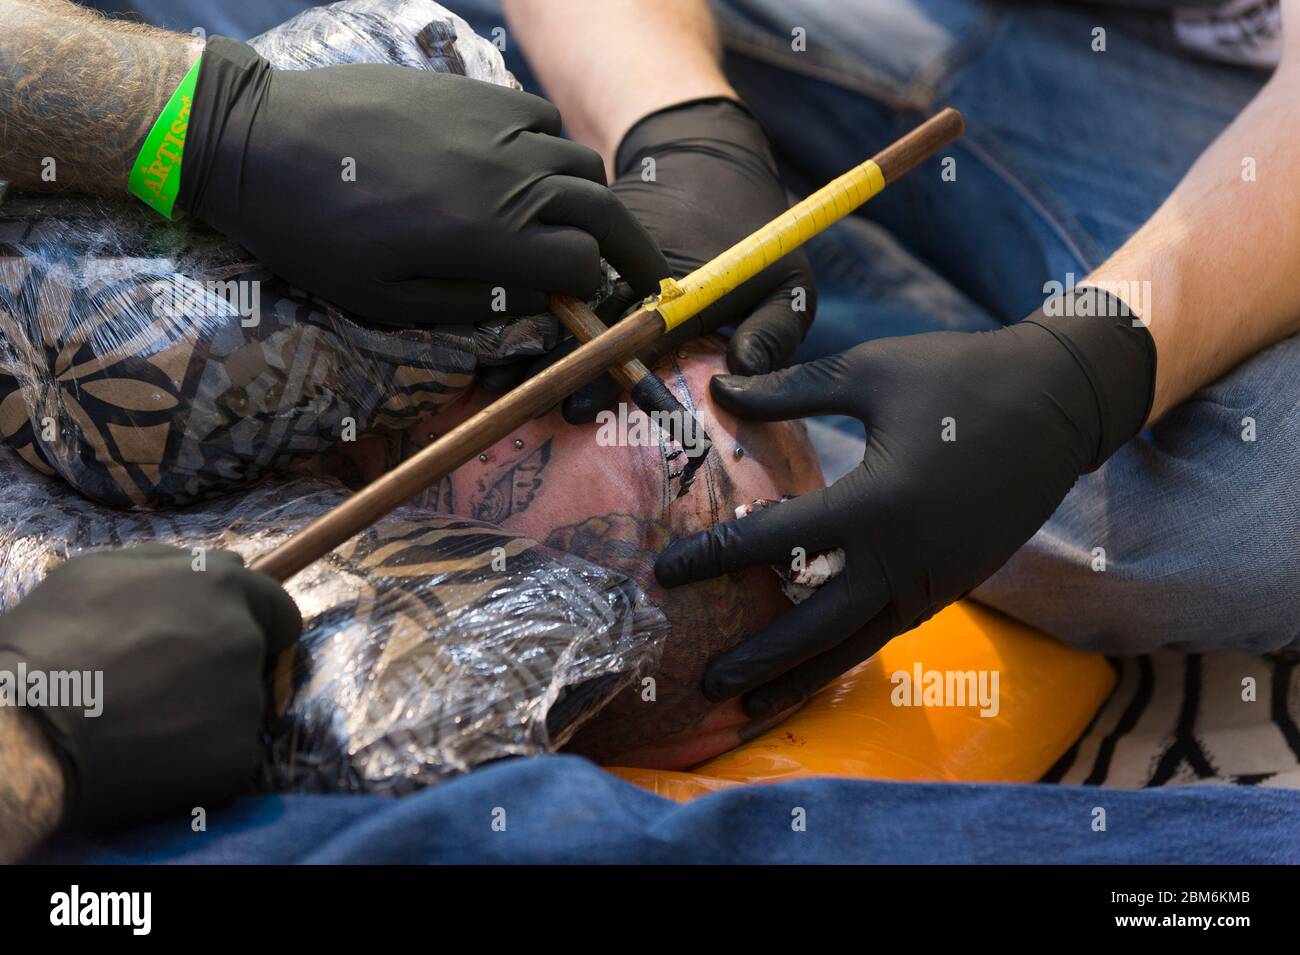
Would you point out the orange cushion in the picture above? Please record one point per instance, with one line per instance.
(1046, 695)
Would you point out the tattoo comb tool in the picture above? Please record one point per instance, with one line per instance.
(678, 300)
(647, 392)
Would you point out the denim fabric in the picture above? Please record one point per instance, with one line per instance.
(1067, 152)
(241, 19)
(561, 809)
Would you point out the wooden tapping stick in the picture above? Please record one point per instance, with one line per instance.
(678, 301)
(577, 316)
(461, 443)
(646, 390)
(681, 299)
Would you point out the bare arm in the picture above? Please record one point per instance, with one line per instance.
(80, 90)
(607, 63)
(31, 786)
(1220, 254)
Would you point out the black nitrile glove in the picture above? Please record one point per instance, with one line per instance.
(460, 187)
(714, 182)
(973, 440)
(183, 654)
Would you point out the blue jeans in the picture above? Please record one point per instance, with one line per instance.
(241, 19)
(1068, 151)
(562, 809)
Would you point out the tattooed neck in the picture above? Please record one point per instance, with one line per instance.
(79, 93)
(31, 786)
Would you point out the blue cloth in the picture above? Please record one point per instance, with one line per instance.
(563, 809)
(241, 19)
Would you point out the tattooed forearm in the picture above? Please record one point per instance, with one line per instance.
(31, 786)
(79, 93)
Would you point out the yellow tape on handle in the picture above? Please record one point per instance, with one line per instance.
(680, 299)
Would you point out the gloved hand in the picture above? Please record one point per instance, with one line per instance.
(183, 654)
(460, 186)
(973, 440)
(714, 183)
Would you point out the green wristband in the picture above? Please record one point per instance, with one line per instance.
(156, 175)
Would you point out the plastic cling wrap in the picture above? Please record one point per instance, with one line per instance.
(150, 363)
(415, 33)
(431, 644)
